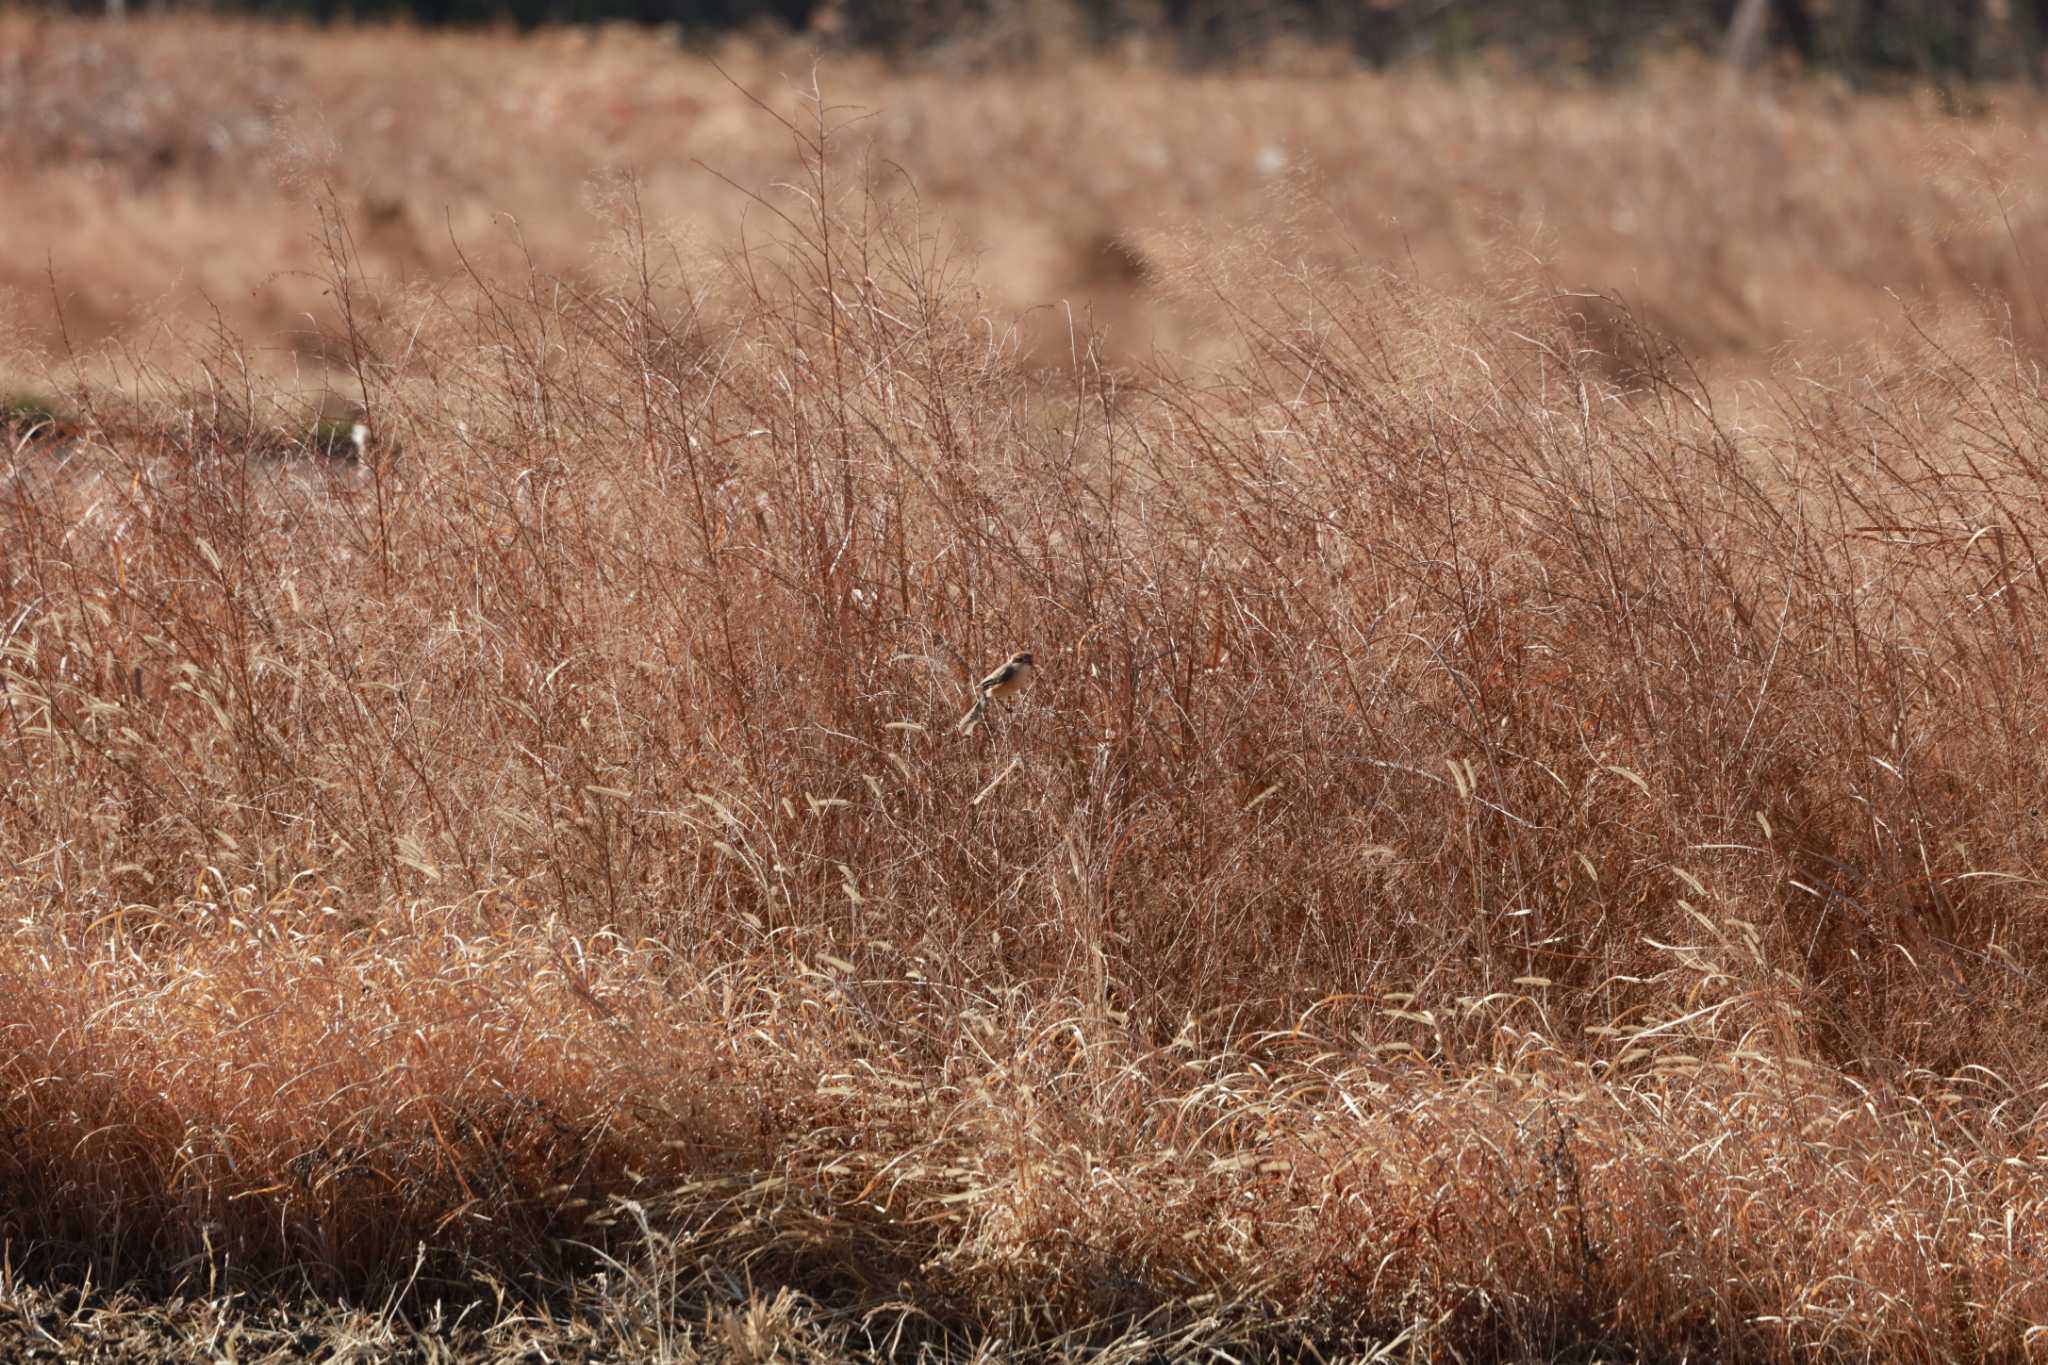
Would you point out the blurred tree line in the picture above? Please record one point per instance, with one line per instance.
(1942, 39)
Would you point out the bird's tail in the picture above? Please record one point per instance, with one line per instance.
(973, 717)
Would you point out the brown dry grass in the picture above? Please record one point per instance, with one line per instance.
(1504, 862)
(166, 169)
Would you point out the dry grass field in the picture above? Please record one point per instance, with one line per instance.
(1528, 844)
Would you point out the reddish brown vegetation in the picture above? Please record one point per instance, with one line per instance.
(1500, 860)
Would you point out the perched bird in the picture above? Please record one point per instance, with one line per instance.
(1013, 677)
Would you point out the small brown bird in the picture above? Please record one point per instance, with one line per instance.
(1013, 677)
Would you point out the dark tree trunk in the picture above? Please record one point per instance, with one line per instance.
(1754, 23)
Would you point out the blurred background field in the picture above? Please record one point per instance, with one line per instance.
(165, 170)
(1528, 844)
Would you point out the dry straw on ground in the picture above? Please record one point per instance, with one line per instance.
(1503, 860)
